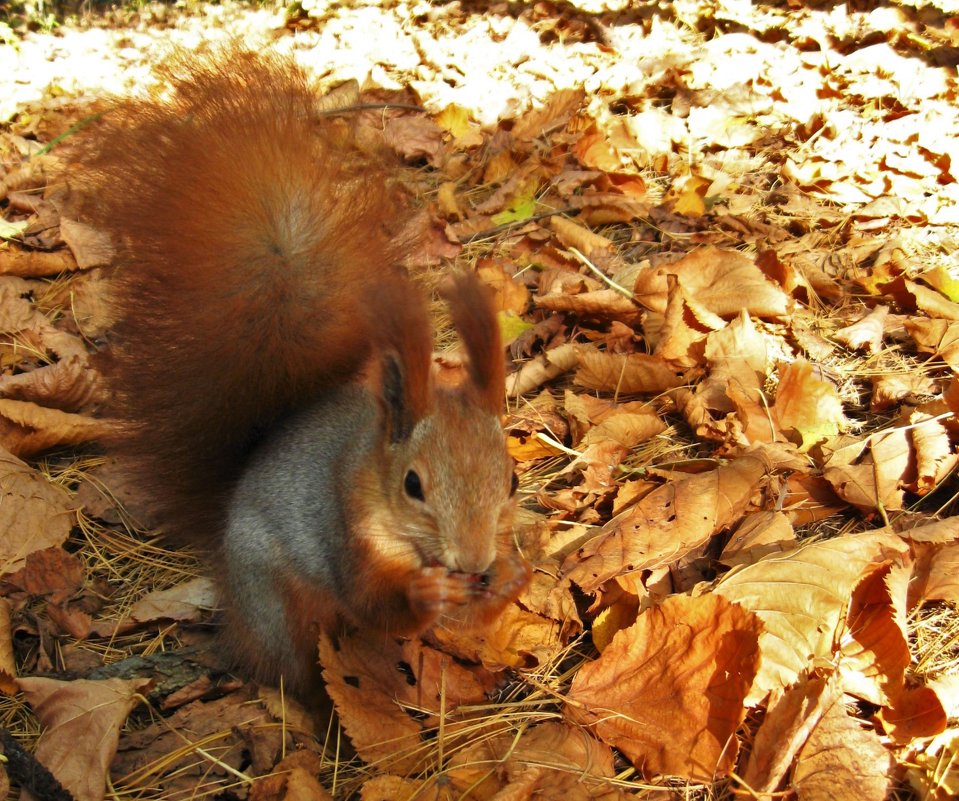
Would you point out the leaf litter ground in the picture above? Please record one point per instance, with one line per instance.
(723, 239)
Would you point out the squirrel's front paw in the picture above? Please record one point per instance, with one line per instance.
(435, 592)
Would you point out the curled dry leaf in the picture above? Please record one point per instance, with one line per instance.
(538, 371)
(723, 281)
(622, 373)
(784, 731)
(870, 473)
(34, 514)
(739, 340)
(90, 247)
(808, 730)
(938, 337)
(669, 690)
(8, 664)
(802, 597)
(26, 428)
(667, 523)
(866, 333)
(293, 779)
(81, 721)
(600, 304)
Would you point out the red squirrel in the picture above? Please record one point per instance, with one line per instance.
(271, 374)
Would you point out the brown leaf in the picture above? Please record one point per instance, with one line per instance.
(784, 730)
(865, 334)
(519, 639)
(183, 602)
(34, 513)
(667, 523)
(802, 597)
(601, 304)
(551, 760)
(669, 690)
(90, 247)
(557, 110)
(808, 404)
(372, 679)
(633, 373)
(81, 720)
(293, 779)
(723, 281)
(841, 760)
(938, 337)
(26, 428)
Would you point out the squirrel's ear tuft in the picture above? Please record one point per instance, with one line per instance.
(471, 308)
(403, 341)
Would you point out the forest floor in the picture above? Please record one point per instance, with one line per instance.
(723, 238)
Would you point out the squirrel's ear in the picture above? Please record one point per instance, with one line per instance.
(403, 339)
(471, 308)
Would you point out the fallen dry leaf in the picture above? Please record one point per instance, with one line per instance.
(841, 759)
(35, 514)
(669, 690)
(802, 598)
(667, 523)
(81, 727)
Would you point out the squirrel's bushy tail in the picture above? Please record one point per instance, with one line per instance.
(248, 233)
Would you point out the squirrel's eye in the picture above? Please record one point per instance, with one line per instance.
(514, 485)
(412, 485)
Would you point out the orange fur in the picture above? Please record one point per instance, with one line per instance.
(252, 241)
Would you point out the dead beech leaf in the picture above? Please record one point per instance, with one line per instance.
(551, 760)
(938, 337)
(293, 779)
(34, 514)
(538, 371)
(390, 787)
(510, 296)
(182, 602)
(69, 383)
(933, 451)
(740, 341)
(557, 110)
(669, 690)
(518, 639)
(807, 403)
(841, 760)
(681, 339)
(784, 731)
(913, 713)
(370, 678)
(628, 374)
(667, 523)
(81, 721)
(26, 428)
(8, 664)
(50, 572)
(866, 333)
(760, 534)
(872, 473)
(723, 281)
(890, 389)
(90, 247)
(802, 597)
(600, 304)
